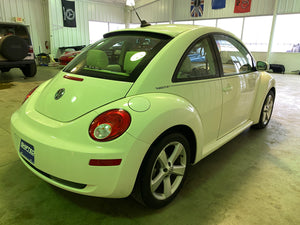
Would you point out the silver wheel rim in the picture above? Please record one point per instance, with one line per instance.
(168, 170)
(267, 110)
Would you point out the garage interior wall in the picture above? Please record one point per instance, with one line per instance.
(178, 10)
(37, 14)
(290, 60)
(85, 11)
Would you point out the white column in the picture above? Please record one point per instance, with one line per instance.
(272, 31)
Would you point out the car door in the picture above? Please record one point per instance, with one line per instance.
(239, 82)
(197, 79)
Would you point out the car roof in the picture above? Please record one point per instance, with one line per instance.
(171, 30)
(12, 24)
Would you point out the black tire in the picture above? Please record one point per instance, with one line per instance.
(266, 111)
(163, 171)
(3, 70)
(14, 48)
(29, 70)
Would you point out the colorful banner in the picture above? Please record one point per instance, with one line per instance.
(242, 6)
(68, 10)
(197, 7)
(218, 4)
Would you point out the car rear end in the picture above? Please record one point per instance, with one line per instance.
(68, 131)
(16, 50)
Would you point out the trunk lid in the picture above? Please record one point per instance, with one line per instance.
(65, 99)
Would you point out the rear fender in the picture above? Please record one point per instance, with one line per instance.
(165, 111)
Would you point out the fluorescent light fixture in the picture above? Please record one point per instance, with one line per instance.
(130, 3)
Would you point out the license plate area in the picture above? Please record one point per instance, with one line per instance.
(27, 151)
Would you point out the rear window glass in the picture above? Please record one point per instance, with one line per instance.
(20, 31)
(121, 57)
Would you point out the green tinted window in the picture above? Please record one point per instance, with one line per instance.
(120, 57)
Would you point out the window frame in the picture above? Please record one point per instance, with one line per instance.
(219, 61)
(185, 54)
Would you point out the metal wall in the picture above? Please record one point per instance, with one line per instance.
(288, 6)
(158, 11)
(177, 10)
(85, 11)
(37, 15)
(258, 7)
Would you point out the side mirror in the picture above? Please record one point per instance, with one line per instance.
(262, 66)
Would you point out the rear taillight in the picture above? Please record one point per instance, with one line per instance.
(30, 49)
(109, 125)
(29, 94)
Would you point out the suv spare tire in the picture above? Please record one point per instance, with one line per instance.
(14, 48)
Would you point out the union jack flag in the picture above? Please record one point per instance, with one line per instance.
(197, 8)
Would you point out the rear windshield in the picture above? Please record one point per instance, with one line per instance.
(18, 30)
(121, 57)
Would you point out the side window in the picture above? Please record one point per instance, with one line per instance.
(198, 63)
(234, 56)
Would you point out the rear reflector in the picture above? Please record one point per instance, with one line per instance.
(105, 162)
(73, 78)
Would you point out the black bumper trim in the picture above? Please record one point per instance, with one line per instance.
(58, 180)
(13, 64)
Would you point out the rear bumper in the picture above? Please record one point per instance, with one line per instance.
(64, 160)
(13, 64)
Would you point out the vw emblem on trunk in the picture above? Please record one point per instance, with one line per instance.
(59, 93)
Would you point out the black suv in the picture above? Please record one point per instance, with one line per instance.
(16, 49)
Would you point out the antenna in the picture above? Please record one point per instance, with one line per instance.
(131, 3)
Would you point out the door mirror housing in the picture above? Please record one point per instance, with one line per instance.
(262, 66)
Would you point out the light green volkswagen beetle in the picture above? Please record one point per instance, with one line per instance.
(134, 110)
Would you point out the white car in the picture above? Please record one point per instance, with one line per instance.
(134, 110)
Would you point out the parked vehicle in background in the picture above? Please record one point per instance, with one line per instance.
(67, 56)
(16, 49)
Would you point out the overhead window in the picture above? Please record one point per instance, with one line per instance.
(184, 22)
(116, 26)
(257, 32)
(134, 25)
(233, 25)
(209, 23)
(161, 23)
(96, 30)
(287, 34)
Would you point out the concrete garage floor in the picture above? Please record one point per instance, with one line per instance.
(254, 179)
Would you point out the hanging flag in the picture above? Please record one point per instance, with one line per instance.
(68, 10)
(242, 6)
(218, 4)
(197, 8)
